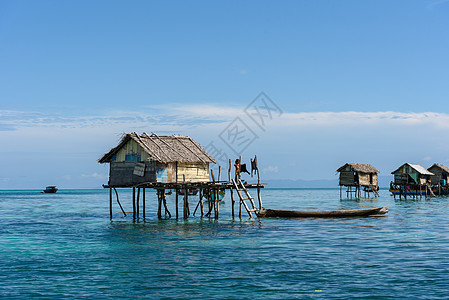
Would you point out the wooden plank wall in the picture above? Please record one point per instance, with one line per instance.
(438, 175)
(131, 147)
(347, 178)
(194, 172)
(364, 179)
(121, 174)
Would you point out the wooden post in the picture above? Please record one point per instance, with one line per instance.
(134, 202)
(159, 204)
(259, 197)
(118, 201)
(177, 205)
(216, 194)
(137, 202)
(230, 189)
(110, 203)
(201, 202)
(216, 204)
(185, 196)
(212, 192)
(164, 200)
(143, 202)
(340, 191)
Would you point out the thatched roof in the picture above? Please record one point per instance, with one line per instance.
(442, 167)
(362, 168)
(418, 168)
(164, 149)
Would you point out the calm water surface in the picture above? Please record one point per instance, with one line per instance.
(64, 246)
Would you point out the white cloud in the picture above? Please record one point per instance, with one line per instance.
(93, 175)
(270, 169)
(178, 116)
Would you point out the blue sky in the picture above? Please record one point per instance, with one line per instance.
(356, 81)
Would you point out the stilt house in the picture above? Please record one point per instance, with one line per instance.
(440, 179)
(358, 175)
(151, 158)
(411, 174)
(441, 174)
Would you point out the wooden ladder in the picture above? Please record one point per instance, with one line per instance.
(374, 189)
(239, 187)
(430, 189)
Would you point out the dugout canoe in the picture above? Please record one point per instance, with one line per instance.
(273, 213)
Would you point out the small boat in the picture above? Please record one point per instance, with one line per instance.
(190, 192)
(50, 189)
(221, 194)
(267, 213)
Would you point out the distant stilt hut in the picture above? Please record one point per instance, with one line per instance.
(358, 176)
(411, 180)
(439, 180)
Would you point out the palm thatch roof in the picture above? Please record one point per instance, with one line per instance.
(361, 168)
(164, 149)
(442, 167)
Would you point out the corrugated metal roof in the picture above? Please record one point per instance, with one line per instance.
(418, 168)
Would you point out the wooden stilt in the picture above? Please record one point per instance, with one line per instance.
(185, 204)
(201, 203)
(118, 201)
(110, 203)
(134, 202)
(232, 202)
(137, 203)
(159, 204)
(259, 197)
(240, 209)
(143, 203)
(177, 202)
(230, 190)
(212, 195)
(185, 197)
(164, 201)
(216, 204)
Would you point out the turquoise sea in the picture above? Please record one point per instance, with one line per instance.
(63, 245)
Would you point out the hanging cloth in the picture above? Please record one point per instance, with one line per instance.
(254, 166)
(243, 169)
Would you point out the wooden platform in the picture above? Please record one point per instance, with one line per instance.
(209, 190)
